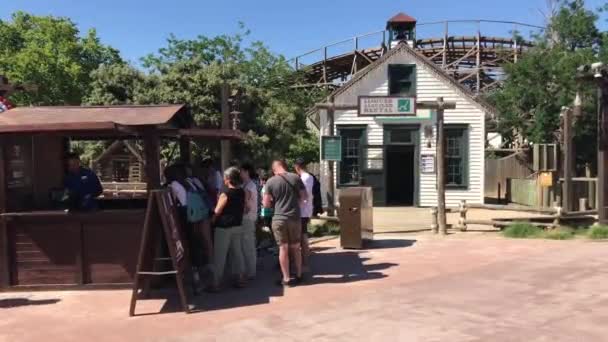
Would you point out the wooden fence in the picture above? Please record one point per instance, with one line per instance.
(526, 192)
(497, 171)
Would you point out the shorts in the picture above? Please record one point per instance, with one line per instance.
(305, 222)
(287, 231)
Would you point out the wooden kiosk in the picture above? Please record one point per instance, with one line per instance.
(42, 247)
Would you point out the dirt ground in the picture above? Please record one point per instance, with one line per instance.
(403, 287)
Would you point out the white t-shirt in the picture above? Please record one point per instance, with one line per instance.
(179, 192)
(251, 200)
(306, 206)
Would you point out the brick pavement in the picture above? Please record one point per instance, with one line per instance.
(473, 287)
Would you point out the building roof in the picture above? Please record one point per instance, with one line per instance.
(433, 68)
(402, 18)
(109, 121)
(79, 118)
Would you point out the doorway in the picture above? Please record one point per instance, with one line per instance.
(400, 175)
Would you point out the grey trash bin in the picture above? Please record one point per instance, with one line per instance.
(356, 216)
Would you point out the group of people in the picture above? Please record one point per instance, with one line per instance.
(222, 213)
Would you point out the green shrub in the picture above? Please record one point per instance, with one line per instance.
(326, 229)
(598, 232)
(561, 233)
(522, 230)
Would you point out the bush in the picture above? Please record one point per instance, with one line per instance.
(522, 230)
(561, 233)
(598, 232)
(326, 229)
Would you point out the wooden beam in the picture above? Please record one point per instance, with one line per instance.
(567, 196)
(331, 203)
(441, 214)
(4, 255)
(184, 149)
(225, 144)
(152, 155)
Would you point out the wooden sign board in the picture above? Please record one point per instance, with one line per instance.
(331, 148)
(545, 179)
(387, 106)
(161, 211)
(427, 163)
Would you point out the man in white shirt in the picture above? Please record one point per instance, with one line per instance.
(306, 208)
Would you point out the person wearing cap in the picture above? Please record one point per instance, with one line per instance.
(306, 210)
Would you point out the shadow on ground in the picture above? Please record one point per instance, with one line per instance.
(17, 302)
(329, 265)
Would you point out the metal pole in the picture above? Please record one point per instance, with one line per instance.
(225, 144)
(441, 215)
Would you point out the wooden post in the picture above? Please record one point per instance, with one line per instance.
(442, 221)
(444, 59)
(4, 255)
(462, 220)
(225, 144)
(558, 216)
(478, 59)
(568, 161)
(590, 187)
(434, 226)
(601, 155)
(152, 155)
(184, 149)
(331, 200)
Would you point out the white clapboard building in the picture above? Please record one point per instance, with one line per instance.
(390, 145)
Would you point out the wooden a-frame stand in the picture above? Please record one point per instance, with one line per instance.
(160, 212)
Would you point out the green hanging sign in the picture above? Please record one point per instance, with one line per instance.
(331, 148)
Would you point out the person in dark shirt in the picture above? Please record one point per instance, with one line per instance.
(227, 220)
(82, 184)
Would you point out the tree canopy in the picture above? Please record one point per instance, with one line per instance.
(543, 81)
(48, 52)
(194, 71)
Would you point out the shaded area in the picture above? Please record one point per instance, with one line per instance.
(17, 302)
(329, 265)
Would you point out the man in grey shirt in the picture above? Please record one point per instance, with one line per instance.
(284, 192)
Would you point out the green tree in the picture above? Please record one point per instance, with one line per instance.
(194, 71)
(48, 52)
(543, 81)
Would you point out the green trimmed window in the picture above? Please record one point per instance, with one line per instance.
(457, 157)
(402, 79)
(350, 166)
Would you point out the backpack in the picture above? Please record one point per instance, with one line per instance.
(197, 207)
(317, 200)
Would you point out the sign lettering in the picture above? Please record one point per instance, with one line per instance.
(387, 106)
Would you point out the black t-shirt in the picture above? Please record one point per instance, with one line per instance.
(233, 211)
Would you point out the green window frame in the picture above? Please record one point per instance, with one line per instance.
(352, 147)
(402, 79)
(457, 156)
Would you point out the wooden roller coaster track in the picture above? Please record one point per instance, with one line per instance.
(475, 61)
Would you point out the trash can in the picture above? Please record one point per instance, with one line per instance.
(356, 217)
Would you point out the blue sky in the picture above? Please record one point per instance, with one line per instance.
(139, 27)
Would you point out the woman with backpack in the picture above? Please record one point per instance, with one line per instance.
(202, 218)
(227, 220)
(181, 191)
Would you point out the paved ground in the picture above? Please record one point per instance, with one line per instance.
(400, 219)
(466, 287)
